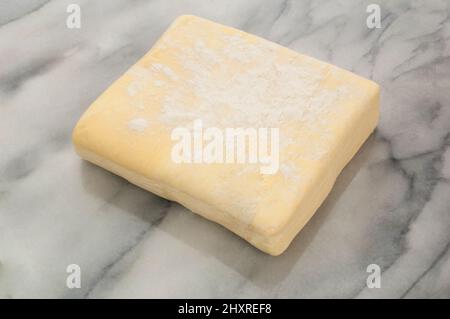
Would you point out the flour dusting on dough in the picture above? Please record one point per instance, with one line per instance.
(138, 125)
(245, 82)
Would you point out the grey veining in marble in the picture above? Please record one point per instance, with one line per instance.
(390, 206)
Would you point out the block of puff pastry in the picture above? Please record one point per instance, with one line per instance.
(225, 78)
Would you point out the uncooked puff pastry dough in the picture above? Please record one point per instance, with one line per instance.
(227, 78)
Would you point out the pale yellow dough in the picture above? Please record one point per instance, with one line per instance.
(228, 78)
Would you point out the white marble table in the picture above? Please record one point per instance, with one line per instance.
(390, 206)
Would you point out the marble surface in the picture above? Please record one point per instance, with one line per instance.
(390, 206)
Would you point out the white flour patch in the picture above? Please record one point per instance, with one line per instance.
(260, 92)
(165, 70)
(138, 124)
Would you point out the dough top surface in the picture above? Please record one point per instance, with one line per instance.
(200, 70)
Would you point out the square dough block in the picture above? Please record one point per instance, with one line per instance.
(201, 70)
